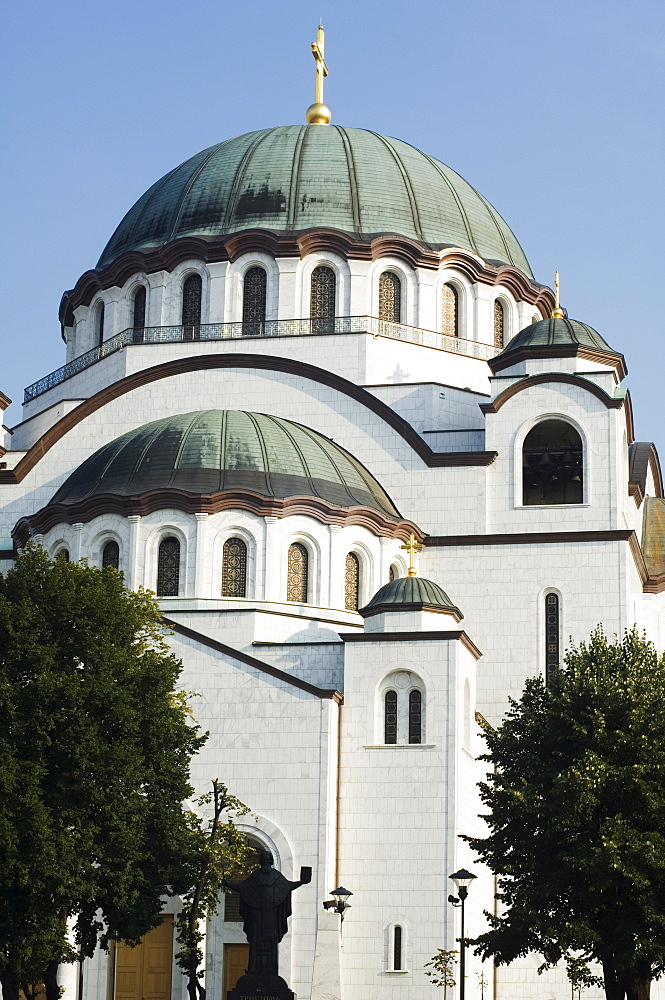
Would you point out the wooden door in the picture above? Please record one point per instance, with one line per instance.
(144, 972)
(236, 958)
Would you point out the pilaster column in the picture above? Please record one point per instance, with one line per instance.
(336, 569)
(199, 555)
(384, 564)
(270, 590)
(133, 568)
(76, 554)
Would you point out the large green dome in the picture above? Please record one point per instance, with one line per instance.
(298, 177)
(210, 451)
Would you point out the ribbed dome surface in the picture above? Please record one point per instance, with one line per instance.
(413, 591)
(209, 451)
(558, 332)
(297, 177)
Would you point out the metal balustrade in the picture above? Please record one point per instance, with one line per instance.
(206, 332)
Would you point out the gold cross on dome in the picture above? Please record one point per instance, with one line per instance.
(412, 547)
(321, 68)
(557, 312)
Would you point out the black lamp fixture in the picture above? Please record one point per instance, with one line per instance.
(338, 903)
(462, 880)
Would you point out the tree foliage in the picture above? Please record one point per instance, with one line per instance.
(95, 747)
(440, 969)
(577, 815)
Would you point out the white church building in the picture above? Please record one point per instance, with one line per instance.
(299, 348)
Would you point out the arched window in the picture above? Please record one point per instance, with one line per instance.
(552, 465)
(415, 716)
(392, 574)
(322, 299)
(498, 324)
(535, 318)
(551, 635)
(111, 555)
(352, 582)
(62, 554)
(99, 324)
(297, 573)
(398, 957)
(168, 568)
(449, 311)
(232, 899)
(138, 314)
(390, 297)
(254, 289)
(192, 291)
(234, 568)
(390, 717)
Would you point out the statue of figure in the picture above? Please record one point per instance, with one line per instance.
(265, 906)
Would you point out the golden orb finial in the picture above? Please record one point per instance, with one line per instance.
(557, 312)
(319, 113)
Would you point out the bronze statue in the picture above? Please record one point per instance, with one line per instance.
(265, 906)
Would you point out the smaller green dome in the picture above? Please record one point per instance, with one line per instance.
(411, 593)
(558, 333)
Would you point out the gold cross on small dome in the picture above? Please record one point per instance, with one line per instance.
(318, 113)
(412, 547)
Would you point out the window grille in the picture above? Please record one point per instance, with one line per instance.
(498, 324)
(99, 320)
(390, 297)
(551, 634)
(297, 572)
(397, 948)
(322, 299)
(254, 290)
(138, 317)
(390, 719)
(234, 568)
(415, 716)
(111, 555)
(192, 291)
(552, 465)
(450, 311)
(168, 568)
(352, 582)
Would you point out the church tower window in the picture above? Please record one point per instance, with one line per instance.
(168, 568)
(234, 568)
(449, 311)
(322, 299)
(390, 718)
(415, 716)
(551, 635)
(99, 324)
(254, 290)
(499, 317)
(552, 465)
(111, 555)
(390, 297)
(192, 291)
(352, 582)
(138, 313)
(398, 958)
(297, 573)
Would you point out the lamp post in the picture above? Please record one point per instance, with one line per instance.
(462, 880)
(338, 903)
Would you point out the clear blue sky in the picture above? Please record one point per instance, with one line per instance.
(554, 111)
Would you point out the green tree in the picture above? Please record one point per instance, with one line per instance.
(579, 975)
(441, 967)
(577, 816)
(95, 747)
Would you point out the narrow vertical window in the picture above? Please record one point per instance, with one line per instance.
(390, 717)
(390, 297)
(322, 300)
(392, 574)
(297, 573)
(351, 582)
(138, 314)
(415, 716)
(551, 635)
(191, 307)
(234, 568)
(111, 555)
(397, 948)
(498, 324)
(449, 311)
(99, 324)
(254, 289)
(168, 568)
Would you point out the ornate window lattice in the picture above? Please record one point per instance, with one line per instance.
(192, 291)
(322, 298)
(415, 716)
(297, 573)
(352, 582)
(390, 297)
(498, 324)
(168, 568)
(99, 324)
(234, 568)
(254, 302)
(111, 555)
(397, 948)
(138, 317)
(449, 311)
(390, 717)
(552, 465)
(551, 634)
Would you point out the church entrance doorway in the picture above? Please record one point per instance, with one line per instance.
(236, 957)
(144, 972)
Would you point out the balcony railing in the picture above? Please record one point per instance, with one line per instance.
(206, 332)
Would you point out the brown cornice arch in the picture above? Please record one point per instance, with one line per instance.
(350, 246)
(262, 362)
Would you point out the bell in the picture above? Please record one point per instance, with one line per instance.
(576, 478)
(546, 460)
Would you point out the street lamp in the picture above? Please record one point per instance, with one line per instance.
(462, 880)
(339, 901)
